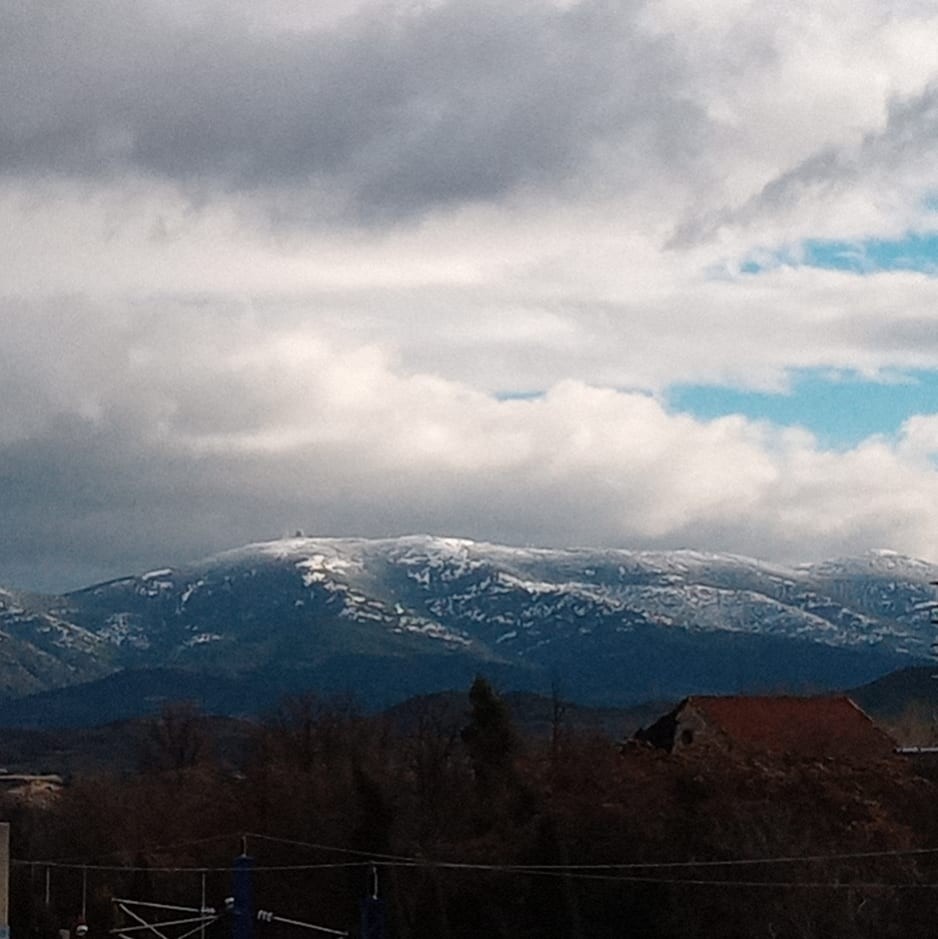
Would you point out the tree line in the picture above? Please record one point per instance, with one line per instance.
(477, 831)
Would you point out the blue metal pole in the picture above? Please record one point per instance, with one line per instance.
(242, 922)
(372, 911)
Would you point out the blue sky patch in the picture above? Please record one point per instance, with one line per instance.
(841, 410)
(914, 252)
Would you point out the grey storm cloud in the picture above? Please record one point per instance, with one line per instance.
(389, 111)
(886, 158)
(88, 502)
(382, 267)
(823, 173)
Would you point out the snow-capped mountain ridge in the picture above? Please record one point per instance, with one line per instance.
(682, 620)
(685, 589)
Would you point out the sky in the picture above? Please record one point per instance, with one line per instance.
(555, 272)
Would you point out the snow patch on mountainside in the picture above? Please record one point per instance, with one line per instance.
(163, 572)
(320, 568)
(880, 562)
(200, 639)
(124, 629)
(189, 591)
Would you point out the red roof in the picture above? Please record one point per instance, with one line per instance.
(816, 726)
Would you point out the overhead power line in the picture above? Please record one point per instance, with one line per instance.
(630, 865)
(631, 872)
(565, 872)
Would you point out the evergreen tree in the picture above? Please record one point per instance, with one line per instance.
(489, 737)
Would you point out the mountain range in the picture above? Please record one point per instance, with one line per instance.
(390, 618)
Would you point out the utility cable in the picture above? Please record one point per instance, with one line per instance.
(631, 865)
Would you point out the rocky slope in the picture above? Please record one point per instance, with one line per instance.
(394, 617)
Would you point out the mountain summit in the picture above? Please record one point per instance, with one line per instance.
(391, 617)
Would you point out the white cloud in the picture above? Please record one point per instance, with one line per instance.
(266, 266)
(230, 430)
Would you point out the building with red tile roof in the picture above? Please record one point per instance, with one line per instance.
(813, 727)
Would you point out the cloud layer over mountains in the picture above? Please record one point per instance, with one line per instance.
(433, 266)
